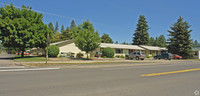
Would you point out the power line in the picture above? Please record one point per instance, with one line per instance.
(53, 14)
(48, 13)
(61, 16)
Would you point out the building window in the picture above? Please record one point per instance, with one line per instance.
(119, 51)
(156, 52)
(101, 50)
(150, 52)
(130, 51)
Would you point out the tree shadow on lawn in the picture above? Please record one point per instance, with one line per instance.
(26, 56)
(29, 58)
(81, 59)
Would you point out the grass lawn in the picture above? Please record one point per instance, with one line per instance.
(29, 58)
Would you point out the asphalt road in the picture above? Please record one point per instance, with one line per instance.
(112, 81)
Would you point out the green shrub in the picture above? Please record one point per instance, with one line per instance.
(13, 52)
(79, 55)
(108, 52)
(153, 54)
(53, 51)
(117, 56)
(122, 56)
(104, 57)
(148, 56)
(60, 56)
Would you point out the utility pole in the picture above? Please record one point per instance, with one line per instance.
(47, 48)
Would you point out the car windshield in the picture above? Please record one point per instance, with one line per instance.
(142, 53)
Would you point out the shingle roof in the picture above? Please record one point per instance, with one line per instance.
(152, 47)
(117, 46)
(120, 46)
(60, 42)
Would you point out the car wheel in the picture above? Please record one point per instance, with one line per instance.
(137, 58)
(127, 58)
(159, 58)
(142, 59)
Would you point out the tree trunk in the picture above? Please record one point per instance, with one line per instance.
(87, 55)
(18, 52)
(23, 49)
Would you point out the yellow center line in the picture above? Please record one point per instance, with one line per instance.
(172, 72)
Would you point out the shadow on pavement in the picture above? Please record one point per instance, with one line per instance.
(6, 56)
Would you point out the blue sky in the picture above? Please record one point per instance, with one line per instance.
(118, 18)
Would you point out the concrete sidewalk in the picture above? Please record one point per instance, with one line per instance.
(98, 63)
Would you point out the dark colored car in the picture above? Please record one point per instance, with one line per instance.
(136, 55)
(175, 56)
(166, 56)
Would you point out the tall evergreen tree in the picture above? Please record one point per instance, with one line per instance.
(62, 28)
(162, 41)
(72, 25)
(66, 34)
(141, 36)
(156, 41)
(196, 44)
(124, 43)
(50, 26)
(116, 42)
(105, 38)
(73, 33)
(57, 37)
(56, 27)
(151, 41)
(180, 42)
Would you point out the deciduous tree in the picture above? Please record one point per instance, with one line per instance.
(87, 38)
(22, 28)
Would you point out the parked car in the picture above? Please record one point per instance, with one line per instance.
(167, 56)
(25, 53)
(175, 56)
(136, 55)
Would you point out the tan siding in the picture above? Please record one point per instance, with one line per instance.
(71, 48)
